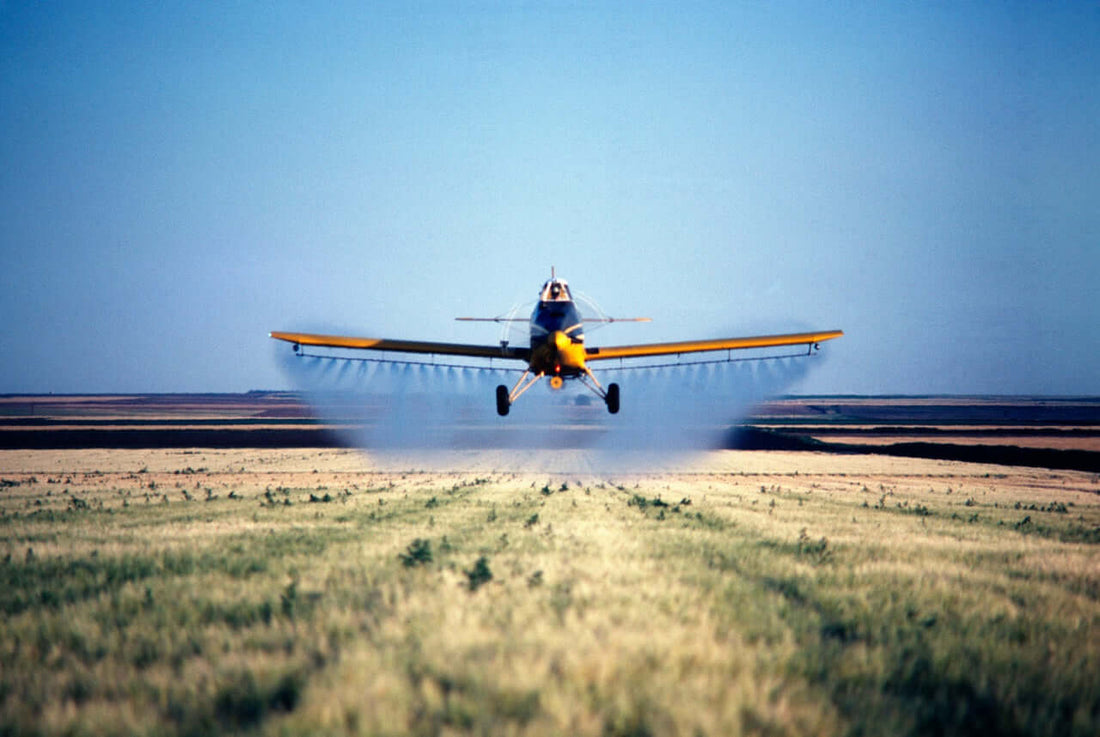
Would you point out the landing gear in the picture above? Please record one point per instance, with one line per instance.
(610, 395)
(612, 398)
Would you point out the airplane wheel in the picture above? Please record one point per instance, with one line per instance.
(613, 398)
(502, 400)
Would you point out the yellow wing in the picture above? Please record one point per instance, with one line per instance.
(721, 344)
(403, 346)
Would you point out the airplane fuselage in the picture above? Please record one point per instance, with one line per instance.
(557, 334)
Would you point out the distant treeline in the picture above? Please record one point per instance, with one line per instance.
(76, 438)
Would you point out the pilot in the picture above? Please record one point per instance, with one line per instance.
(555, 290)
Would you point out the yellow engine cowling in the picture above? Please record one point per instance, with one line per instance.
(570, 354)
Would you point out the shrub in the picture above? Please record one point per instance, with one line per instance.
(817, 550)
(418, 553)
(479, 575)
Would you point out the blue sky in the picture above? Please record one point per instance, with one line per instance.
(180, 178)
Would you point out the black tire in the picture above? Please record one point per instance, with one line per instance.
(613, 398)
(502, 400)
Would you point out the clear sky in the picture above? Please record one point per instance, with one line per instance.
(179, 178)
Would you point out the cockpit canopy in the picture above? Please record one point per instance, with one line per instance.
(555, 290)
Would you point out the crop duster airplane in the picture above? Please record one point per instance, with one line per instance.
(557, 350)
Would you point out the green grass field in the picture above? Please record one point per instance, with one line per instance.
(176, 592)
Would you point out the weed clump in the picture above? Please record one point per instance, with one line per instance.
(1055, 507)
(918, 509)
(289, 599)
(816, 550)
(269, 499)
(643, 503)
(419, 553)
(244, 701)
(479, 575)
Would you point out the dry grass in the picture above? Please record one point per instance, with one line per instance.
(761, 593)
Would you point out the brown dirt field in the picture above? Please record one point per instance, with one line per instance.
(1091, 444)
(1041, 432)
(312, 466)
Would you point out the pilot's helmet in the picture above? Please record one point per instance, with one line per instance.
(555, 289)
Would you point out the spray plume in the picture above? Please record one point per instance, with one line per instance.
(419, 415)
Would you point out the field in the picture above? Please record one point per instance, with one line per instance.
(167, 590)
